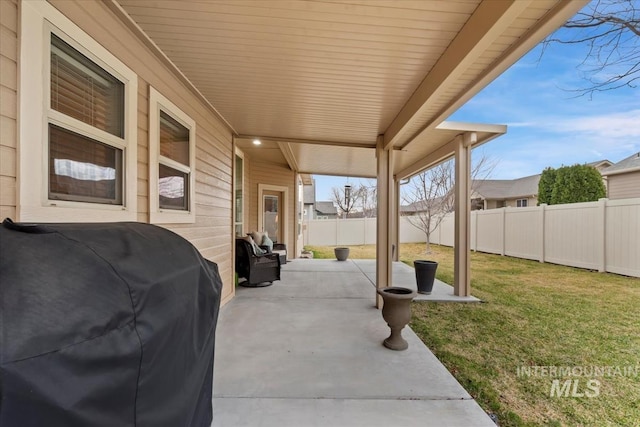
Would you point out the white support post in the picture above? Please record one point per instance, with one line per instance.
(462, 259)
(384, 236)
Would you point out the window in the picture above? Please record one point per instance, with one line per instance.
(239, 194)
(78, 148)
(84, 168)
(521, 203)
(171, 162)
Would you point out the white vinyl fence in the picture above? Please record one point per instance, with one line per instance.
(602, 235)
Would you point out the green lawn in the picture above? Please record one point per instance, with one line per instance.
(534, 315)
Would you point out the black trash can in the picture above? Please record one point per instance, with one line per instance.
(425, 275)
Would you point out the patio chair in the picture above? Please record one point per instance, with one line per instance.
(258, 270)
(278, 248)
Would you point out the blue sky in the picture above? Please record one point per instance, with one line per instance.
(548, 125)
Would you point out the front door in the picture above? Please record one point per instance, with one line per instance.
(272, 205)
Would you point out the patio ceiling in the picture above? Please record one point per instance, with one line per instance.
(318, 81)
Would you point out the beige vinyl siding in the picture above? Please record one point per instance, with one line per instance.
(9, 110)
(212, 231)
(271, 174)
(624, 185)
(531, 201)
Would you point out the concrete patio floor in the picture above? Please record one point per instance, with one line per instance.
(308, 351)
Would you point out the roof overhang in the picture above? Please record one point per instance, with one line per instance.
(621, 171)
(319, 82)
(322, 158)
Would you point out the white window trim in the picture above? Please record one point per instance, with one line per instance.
(520, 201)
(158, 102)
(38, 20)
(285, 208)
(240, 154)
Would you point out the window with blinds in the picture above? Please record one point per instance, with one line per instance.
(84, 91)
(174, 167)
(84, 167)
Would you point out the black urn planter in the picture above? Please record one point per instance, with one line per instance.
(425, 275)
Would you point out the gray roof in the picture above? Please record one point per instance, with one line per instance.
(600, 164)
(309, 193)
(506, 188)
(418, 206)
(629, 164)
(326, 208)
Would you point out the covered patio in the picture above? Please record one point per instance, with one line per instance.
(334, 87)
(308, 351)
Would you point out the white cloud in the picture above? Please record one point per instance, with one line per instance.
(613, 125)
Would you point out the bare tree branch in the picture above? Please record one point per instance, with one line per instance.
(430, 194)
(345, 204)
(611, 31)
(368, 199)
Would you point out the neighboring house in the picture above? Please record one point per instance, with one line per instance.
(493, 194)
(325, 210)
(520, 192)
(623, 178)
(600, 165)
(500, 193)
(309, 197)
(420, 206)
(316, 209)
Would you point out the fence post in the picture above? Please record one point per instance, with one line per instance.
(364, 231)
(543, 209)
(475, 242)
(337, 232)
(602, 207)
(504, 231)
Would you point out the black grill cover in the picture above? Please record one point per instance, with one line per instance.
(105, 325)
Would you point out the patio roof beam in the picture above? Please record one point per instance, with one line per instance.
(554, 19)
(287, 152)
(488, 21)
(309, 141)
(437, 156)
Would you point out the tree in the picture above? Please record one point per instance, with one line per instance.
(345, 198)
(611, 31)
(430, 194)
(545, 185)
(368, 199)
(577, 183)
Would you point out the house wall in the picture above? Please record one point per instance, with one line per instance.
(496, 204)
(624, 185)
(9, 107)
(492, 204)
(271, 174)
(531, 201)
(212, 232)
